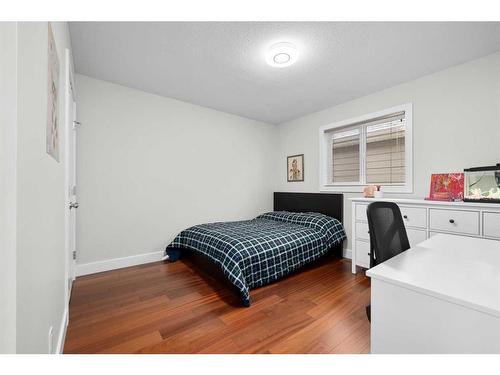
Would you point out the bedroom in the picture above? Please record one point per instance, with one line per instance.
(199, 187)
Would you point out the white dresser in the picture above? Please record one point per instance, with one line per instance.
(423, 219)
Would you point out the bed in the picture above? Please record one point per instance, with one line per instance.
(302, 228)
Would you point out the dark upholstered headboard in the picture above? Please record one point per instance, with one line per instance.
(328, 204)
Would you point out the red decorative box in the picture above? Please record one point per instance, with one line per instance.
(447, 187)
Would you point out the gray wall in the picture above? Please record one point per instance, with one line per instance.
(40, 194)
(150, 166)
(8, 149)
(456, 124)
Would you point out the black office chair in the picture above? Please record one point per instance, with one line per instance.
(388, 236)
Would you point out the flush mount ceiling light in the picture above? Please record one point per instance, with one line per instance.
(281, 55)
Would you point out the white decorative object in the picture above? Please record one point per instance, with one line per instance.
(441, 296)
(378, 194)
(423, 219)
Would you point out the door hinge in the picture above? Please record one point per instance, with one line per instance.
(74, 254)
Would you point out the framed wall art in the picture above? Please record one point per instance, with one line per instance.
(295, 168)
(52, 131)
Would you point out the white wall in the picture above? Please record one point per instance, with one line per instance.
(40, 194)
(150, 166)
(8, 150)
(456, 124)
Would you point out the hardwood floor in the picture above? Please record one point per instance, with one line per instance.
(174, 308)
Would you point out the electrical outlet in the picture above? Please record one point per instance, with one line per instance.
(51, 339)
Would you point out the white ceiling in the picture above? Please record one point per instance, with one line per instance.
(222, 65)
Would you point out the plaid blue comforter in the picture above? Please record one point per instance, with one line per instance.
(256, 252)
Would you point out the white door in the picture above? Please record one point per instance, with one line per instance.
(70, 180)
(73, 202)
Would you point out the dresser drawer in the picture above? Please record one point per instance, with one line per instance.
(414, 216)
(361, 212)
(362, 254)
(415, 236)
(491, 224)
(461, 222)
(362, 231)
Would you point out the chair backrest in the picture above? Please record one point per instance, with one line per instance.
(388, 235)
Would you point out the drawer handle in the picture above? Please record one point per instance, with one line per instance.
(405, 217)
(452, 221)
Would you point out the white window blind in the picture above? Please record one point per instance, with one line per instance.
(345, 155)
(385, 153)
(371, 151)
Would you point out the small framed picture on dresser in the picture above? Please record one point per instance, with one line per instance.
(295, 168)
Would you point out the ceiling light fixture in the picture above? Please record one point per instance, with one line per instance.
(281, 55)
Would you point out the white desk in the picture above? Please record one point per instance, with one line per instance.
(441, 296)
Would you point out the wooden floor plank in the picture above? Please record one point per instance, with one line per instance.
(173, 308)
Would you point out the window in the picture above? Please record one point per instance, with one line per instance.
(373, 149)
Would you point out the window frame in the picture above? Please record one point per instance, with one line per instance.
(355, 187)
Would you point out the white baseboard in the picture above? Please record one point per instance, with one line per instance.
(62, 332)
(116, 263)
(134, 260)
(348, 253)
